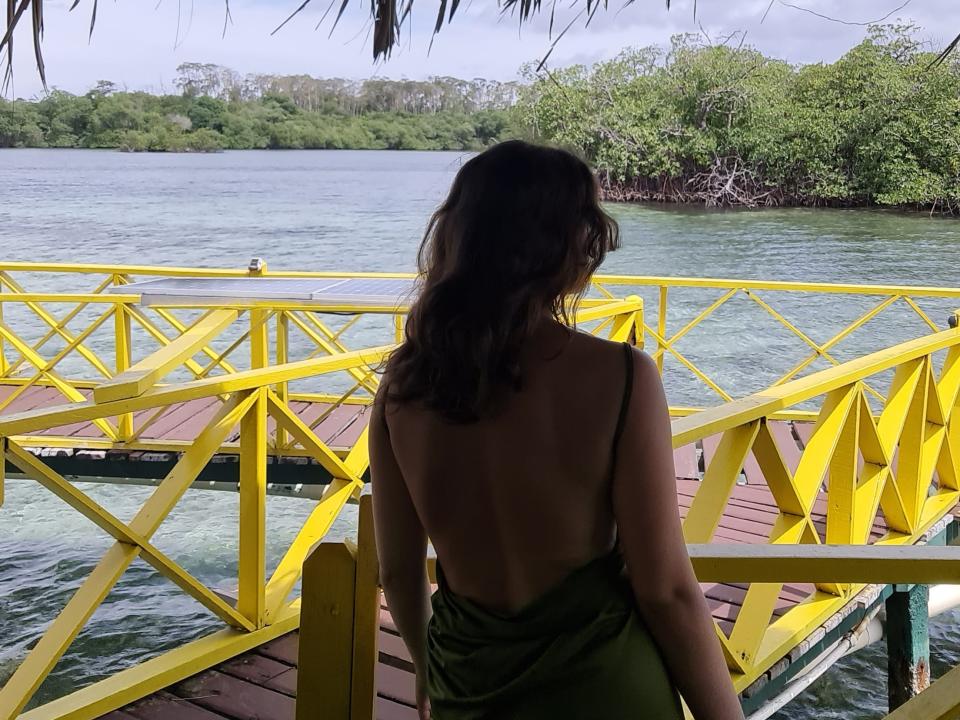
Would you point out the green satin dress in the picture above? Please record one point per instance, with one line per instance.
(580, 651)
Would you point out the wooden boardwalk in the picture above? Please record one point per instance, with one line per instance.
(180, 423)
(183, 421)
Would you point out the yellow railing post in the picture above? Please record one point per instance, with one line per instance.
(3, 350)
(628, 326)
(398, 328)
(253, 501)
(282, 354)
(325, 655)
(661, 327)
(123, 354)
(639, 336)
(366, 617)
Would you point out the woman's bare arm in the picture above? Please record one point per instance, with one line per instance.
(668, 595)
(402, 550)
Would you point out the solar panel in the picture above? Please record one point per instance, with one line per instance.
(374, 292)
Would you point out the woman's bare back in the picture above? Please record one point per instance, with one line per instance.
(516, 502)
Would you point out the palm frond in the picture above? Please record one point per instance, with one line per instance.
(387, 23)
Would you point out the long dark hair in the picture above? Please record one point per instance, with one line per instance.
(521, 232)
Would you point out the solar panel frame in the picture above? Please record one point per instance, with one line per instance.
(333, 290)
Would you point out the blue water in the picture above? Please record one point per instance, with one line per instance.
(366, 211)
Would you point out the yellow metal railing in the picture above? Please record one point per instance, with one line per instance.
(892, 450)
(110, 346)
(247, 399)
(263, 605)
(902, 461)
(340, 613)
(808, 325)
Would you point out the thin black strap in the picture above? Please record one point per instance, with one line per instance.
(624, 402)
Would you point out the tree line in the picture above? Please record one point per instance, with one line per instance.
(216, 108)
(718, 124)
(352, 97)
(724, 125)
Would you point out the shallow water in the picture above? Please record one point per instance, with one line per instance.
(366, 211)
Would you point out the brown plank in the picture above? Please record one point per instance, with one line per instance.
(786, 442)
(804, 431)
(386, 622)
(335, 423)
(727, 532)
(752, 471)
(751, 468)
(732, 520)
(393, 645)
(731, 594)
(396, 684)
(118, 715)
(283, 649)
(308, 411)
(723, 611)
(709, 446)
(734, 594)
(685, 462)
(184, 420)
(5, 392)
(33, 397)
(235, 698)
(348, 435)
(742, 509)
(263, 671)
(387, 709)
(166, 706)
(87, 428)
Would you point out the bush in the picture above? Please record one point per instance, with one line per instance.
(728, 126)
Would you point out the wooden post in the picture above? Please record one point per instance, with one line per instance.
(366, 617)
(325, 655)
(908, 644)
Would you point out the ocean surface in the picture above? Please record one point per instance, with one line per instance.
(366, 211)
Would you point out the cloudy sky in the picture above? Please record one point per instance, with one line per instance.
(139, 43)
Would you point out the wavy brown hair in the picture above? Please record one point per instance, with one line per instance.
(517, 238)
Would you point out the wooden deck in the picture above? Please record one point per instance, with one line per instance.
(179, 423)
(183, 421)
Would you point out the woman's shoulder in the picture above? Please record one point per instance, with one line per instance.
(608, 353)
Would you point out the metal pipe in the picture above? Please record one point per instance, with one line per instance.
(815, 669)
(943, 598)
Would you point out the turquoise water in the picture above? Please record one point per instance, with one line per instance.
(366, 211)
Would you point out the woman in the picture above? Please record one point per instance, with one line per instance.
(538, 461)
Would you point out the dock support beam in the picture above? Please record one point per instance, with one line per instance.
(908, 643)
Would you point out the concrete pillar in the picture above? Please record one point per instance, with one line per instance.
(908, 644)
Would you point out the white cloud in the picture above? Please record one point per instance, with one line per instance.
(140, 47)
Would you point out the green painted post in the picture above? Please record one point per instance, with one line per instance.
(908, 644)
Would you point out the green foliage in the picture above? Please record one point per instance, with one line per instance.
(266, 112)
(728, 126)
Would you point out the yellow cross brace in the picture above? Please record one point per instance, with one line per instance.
(149, 371)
